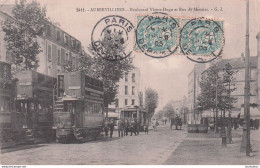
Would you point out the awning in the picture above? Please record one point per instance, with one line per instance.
(113, 115)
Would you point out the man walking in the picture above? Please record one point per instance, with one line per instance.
(106, 128)
(120, 128)
(111, 127)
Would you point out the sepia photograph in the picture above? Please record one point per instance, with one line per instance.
(129, 82)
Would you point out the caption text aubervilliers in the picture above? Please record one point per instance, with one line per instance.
(164, 9)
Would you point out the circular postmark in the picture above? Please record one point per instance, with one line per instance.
(157, 35)
(202, 40)
(111, 36)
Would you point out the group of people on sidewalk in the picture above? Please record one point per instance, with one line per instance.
(124, 127)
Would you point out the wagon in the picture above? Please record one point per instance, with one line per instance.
(177, 122)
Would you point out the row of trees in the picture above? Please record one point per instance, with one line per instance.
(28, 23)
(216, 89)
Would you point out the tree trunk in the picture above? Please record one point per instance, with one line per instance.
(229, 133)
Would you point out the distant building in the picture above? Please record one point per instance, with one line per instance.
(59, 49)
(181, 108)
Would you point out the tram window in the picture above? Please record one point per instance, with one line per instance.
(94, 105)
(86, 108)
(32, 106)
(2, 107)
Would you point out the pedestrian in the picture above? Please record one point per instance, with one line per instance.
(120, 128)
(111, 127)
(138, 125)
(126, 127)
(155, 125)
(146, 129)
(133, 127)
(106, 128)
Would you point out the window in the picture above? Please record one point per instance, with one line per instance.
(66, 57)
(49, 53)
(58, 35)
(117, 89)
(48, 30)
(116, 102)
(126, 77)
(133, 101)
(133, 77)
(62, 55)
(126, 102)
(126, 90)
(59, 57)
(66, 39)
(9, 57)
(133, 90)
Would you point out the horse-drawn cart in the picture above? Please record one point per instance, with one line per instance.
(177, 122)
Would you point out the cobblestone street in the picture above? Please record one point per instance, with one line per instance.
(154, 148)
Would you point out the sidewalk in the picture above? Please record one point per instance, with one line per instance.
(206, 149)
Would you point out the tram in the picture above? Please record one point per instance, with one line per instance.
(78, 110)
(34, 102)
(10, 125)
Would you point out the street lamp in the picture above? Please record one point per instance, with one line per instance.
(245, 145)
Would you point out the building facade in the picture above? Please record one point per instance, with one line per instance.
(238, 65)
(60, 50)
(127, 98)
(193, 91)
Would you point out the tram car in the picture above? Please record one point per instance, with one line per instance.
(35, 102)
(11, 133)
(137, 113)
(78, 111)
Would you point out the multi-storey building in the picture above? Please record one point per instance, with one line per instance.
(127, 101)
(238, 65)
(59, 49)
(193, 91)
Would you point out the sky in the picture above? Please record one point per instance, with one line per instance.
(169, 76)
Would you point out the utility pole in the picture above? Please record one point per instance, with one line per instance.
(245, 145)
(194, 97)
(216, 122)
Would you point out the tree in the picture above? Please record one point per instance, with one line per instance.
(151, 100)
(228, 81)
(159, 115)
(211, 88)
(21, 33)
(108, 71)
(168, 110)
(214, 91)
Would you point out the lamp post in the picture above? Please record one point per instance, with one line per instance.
(245, 145)
(216, 99)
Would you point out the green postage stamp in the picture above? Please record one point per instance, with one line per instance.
(157, 35)
(201, 39)
(160, 35)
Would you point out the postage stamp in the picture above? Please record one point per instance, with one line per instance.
(110, 37)
(157, 35)
(201, 39)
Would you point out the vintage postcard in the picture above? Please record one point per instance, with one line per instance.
(129, 82)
